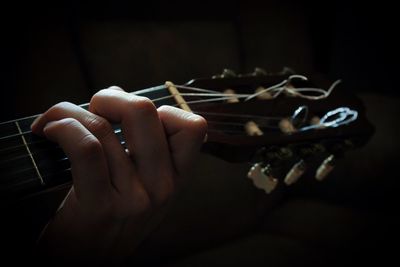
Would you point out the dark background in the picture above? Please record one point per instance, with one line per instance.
(51, 53)
(68, 52)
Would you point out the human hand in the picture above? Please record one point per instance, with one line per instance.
(116, 194)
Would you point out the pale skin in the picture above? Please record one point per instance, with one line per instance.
(118, 196)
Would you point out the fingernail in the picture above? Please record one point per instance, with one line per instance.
(34, 123)
(48, 125)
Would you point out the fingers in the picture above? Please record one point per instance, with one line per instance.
(88, 162)
(185, 131)
(144, 135)
(119, 164)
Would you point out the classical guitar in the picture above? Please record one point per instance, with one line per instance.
(281, 122)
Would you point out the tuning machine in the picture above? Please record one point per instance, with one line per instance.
(325, 168)
(295, 172)
(262, 177)
(337, 151)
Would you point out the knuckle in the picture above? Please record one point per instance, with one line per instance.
(141, 204)
(59, 107)
(163, 196)
(98, 96)
(66, 122)
(141, 105)
(114, 87)
(198, 125)
(99, 126)
(90, 146)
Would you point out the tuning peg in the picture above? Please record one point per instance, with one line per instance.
(295, 172)
(262, 177)
(325, 168)
(262, 93)
(299, 116)
(286, 126)
(232, 96)
(252, 129)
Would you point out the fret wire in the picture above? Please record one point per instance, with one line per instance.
(30, 154)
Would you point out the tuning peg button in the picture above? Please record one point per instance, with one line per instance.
(262, 177)
(252, 129)
(286, 126)
(295, 172)
(325, 168)
(232, 96)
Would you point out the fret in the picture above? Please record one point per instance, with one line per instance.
(29, 152)
(25, 123)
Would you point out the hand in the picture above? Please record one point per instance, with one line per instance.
(116, 193)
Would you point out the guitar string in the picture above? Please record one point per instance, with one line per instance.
(343, 118)
(324, 94)
(244, 116)
(117, 131)
(49, 174)
(214, 114)
(226, 96)
(59, 161)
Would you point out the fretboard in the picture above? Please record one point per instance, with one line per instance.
(30, 164)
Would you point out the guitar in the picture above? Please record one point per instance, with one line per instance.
(282, 123)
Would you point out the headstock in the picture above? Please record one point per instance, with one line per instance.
(281, 132)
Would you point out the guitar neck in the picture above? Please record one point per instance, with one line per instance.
(30, 164)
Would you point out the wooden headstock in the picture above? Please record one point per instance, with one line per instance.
(270, 146)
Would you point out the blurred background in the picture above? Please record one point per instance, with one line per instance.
(68, 52)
